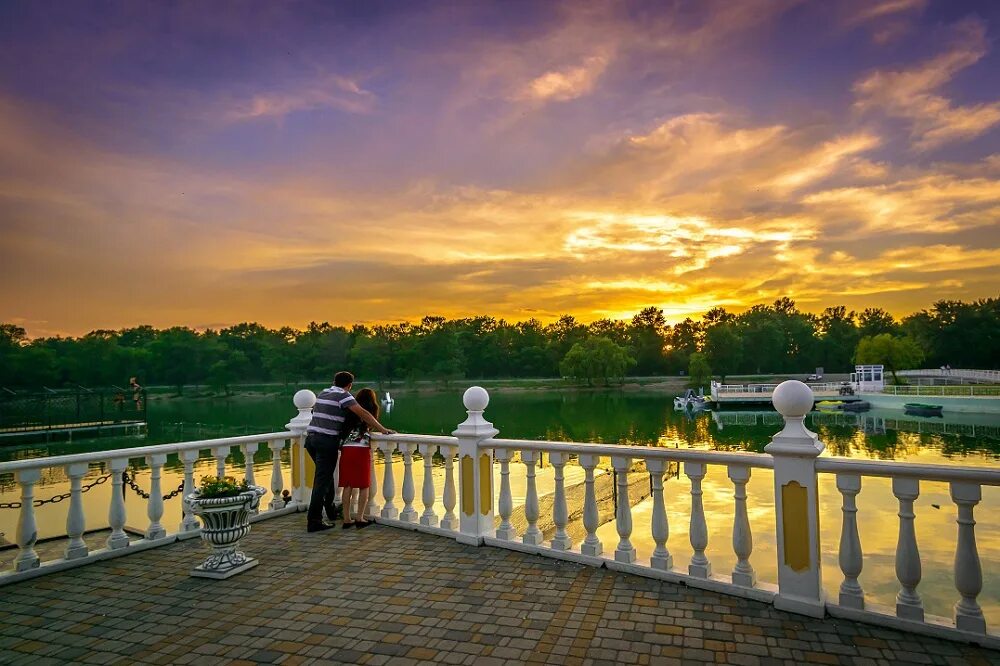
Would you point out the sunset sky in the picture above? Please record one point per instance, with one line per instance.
(208, 163)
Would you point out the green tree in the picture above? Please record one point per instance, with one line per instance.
(699, 371)
(596, 358)
(723, 349)
(895, 353)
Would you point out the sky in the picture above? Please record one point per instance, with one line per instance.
(204, 164)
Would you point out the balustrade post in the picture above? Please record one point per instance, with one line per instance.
(389, 509)
(27, 528)
(532, 535)
(450, 520)
(475, 480)
(591, 521)
(304, 401)
(76, 523)
(248, 451)
(908, 571)
(698, 532)
(277, 483)
(428, 517)
(154, 506)
(968, 570)
(560, 514)
(505, 503)
(743, 573)
(625, 552)
(851, 556)
(189, 522)
(408, 514)
(220, 453)
(796, 501)
(372, 511)
(116, 513)
(660, 527)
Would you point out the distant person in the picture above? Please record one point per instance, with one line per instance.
(323, 439)
(136, 393)
(356, 460)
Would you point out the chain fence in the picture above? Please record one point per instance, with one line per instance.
(127, 479)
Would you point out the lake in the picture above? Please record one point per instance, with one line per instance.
(627, 417)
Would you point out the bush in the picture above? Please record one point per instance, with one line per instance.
(226, 486)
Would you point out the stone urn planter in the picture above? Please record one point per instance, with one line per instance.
(224, 521)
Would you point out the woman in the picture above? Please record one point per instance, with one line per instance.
(356, 460)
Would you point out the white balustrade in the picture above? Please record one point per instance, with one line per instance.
(372, 511)
(27, 529)
(389, 509)
(189, 522)
(661, 558)
(277, 483)
(908, 603)
(560, 514)
(248, 451)
(409, 514)
(505, 504)
(968, 570)
(76, 522)
(428, 517)
(220, 453)
(851, 557)
(591, 543)
(743, 573)
(532, 536)
(700, 567)
(154, 506)
(116, 513)
(450, 520)
(625, 552)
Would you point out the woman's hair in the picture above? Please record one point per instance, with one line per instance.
(368, 401)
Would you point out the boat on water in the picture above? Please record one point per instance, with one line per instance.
(690, 401)
(858, 406)
(922, 409)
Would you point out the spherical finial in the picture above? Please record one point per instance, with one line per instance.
(475, 399)
(792, 398)
(304, 399)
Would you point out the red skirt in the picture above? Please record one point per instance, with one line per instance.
(355, 466)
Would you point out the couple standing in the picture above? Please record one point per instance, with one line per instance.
(341, 420)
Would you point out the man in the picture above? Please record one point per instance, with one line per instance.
(323, 438)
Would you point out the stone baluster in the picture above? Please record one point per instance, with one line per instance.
(908, 603)
(591, 544)
(560, 514)
(277, 483)
(154, 506)
(851, 556)
(409, 514)
(304, 401)
(389, 509)
(427, 492)
(450, 520)
(660, 527)
(220, 453)
(968, 570)
(189, 522)
(373, 508)
(700, 566)
(625, 552)
(505, 503)
(532, 536)
(76, 523)
(116, 513)
(743, 573)
(27, 528)
(248, 451)
(475, 481)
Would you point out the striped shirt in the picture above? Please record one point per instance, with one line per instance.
(331, 408)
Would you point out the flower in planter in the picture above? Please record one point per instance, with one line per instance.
(225, 486)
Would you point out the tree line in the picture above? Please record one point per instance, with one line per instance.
(765, 339)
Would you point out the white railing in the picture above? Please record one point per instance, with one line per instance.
(763, 391)
(27, 473)
(967, 390)
(954, 373)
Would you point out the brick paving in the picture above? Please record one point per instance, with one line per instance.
(385, 595)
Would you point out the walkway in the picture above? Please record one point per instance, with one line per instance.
(386, 595)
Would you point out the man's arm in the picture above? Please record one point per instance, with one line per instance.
(372, 422)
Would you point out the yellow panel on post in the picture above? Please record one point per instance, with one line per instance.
(485, 484)
(795, 523)
(310, 468)
(468, 496)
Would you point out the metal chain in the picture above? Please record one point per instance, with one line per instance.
(130, 481)
(57, 498)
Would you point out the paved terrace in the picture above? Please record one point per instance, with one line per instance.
(384, 595)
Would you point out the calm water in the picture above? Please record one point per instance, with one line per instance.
(632, 418)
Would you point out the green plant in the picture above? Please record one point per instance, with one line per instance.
(226, 486)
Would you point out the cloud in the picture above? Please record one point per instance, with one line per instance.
(327, 92)
(568, 83)
(911, 93)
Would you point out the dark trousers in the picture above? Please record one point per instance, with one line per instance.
(324, 451)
